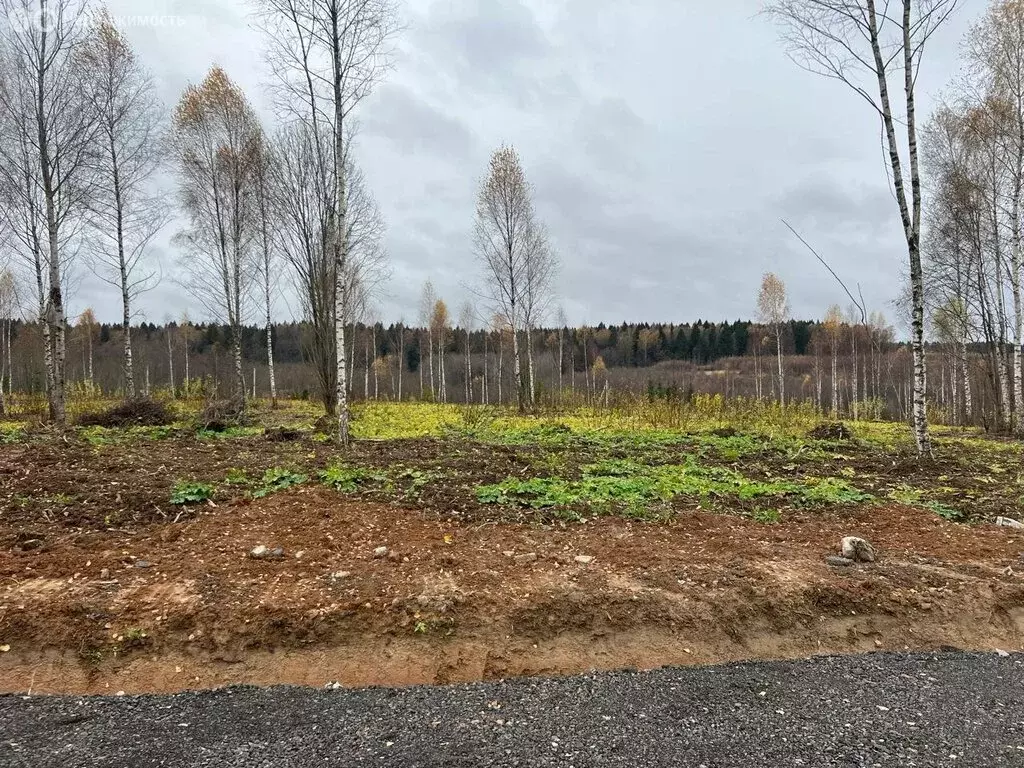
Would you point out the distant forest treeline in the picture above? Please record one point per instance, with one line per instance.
(160, 346)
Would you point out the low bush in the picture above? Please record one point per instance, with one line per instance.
(140, 412)
(221, 415)
(834, 431)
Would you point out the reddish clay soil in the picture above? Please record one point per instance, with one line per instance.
(170, 606)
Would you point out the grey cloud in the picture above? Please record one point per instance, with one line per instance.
(664, 139)
(415, 126)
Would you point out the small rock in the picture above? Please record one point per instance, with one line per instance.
(1002, 653)
(839, 562)
(299, 554)
(143, 564)
(105, 574)
(380, 552)
(266, 553)
(510, 553)
(584, 559)
(333, 685)
(529, 557)
(339, 575)
(857, 549)
(5, 648)
(1009, 522)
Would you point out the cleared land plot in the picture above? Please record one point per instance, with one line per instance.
(513, 546)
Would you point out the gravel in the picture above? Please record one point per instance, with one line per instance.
(902, 710)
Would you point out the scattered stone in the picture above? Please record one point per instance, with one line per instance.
(380, 552)
(266, 553)
(857, 549)
(339, 575)
(143, 564)
(839, 562)
(1002, 653)
(529, 557)
(333, 685)
(26, 541)
(508, 553)
(105, 574)
(1009, 522)
(5, 648)
(584, 559)
(299, 554)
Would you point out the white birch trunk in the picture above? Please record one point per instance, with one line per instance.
(517, 369)
(782, 376)
(170, 361)
(529, 362)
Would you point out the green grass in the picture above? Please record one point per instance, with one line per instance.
(635, 486)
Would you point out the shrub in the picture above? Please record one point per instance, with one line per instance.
(191, 492)
(835, 431)
(221, 415)
(277, 479)
(140, 412)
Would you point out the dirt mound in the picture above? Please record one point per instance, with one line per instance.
(183, 605)
(831, 431)
(140, 412)
(220, 415)
(283, 434)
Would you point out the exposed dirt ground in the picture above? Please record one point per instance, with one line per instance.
(149, 604)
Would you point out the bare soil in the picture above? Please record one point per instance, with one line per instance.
(101, 590)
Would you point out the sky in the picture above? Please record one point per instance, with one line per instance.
(664, 139)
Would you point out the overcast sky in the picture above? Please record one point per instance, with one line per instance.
(665, 140)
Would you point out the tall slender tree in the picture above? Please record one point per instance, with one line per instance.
(126, 214)
(218, 143)
(773, 311)
(327, 55)
(877, 48)
(514, 255)
(43, 112)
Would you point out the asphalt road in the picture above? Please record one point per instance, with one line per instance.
(878, 710)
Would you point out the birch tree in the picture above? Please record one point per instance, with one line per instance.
(87, 323)
(541, 265)
(327, 55)
(8, 310)
(876, 47)
(996, 53)
(773, 311)
(428, 299)
(266, 264)
(218, 141)
(301, 192)
(512, 250)
(42, 101)
(126, 212)
(466, 320)
(439, 325)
